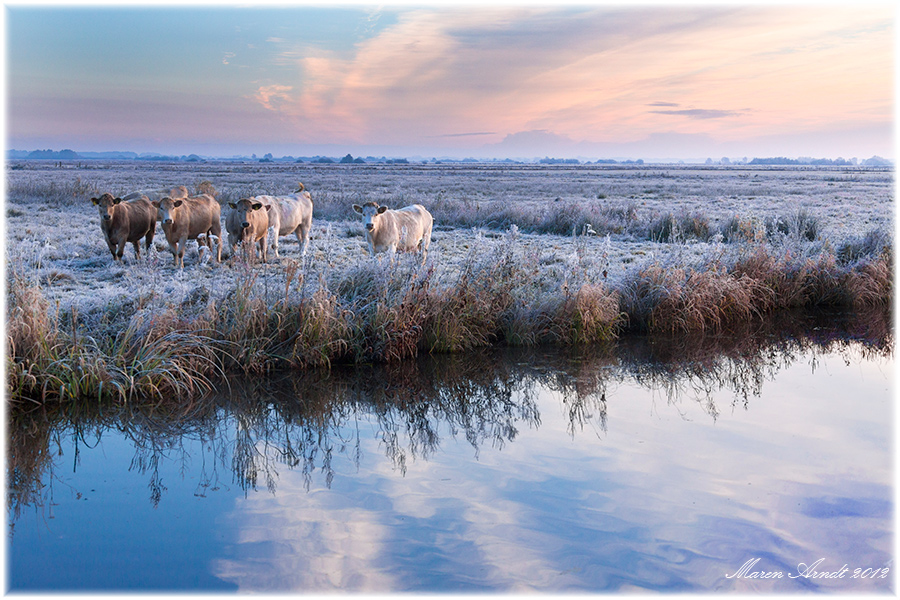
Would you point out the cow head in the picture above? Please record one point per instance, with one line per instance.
(244, 207)
(369, 211)
(105, 204)
(166, 209)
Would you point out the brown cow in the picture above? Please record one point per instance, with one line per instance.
(123, 222)
(248, 222)
(405, 230)
(190, 218)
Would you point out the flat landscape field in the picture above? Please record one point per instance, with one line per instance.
(614, 219)
(521, 255)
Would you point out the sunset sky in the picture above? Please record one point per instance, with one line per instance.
(522, 81)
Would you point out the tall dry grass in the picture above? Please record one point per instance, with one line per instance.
(50, 356)
(392, 308)
(762, 279)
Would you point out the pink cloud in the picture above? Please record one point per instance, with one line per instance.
(272, 97)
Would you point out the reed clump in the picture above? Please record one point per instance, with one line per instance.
(663, 299)
(590, 316)
(470, 312)
(49, 360)
(797, 281)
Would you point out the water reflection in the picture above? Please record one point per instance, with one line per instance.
(255, 425)
(298, 436)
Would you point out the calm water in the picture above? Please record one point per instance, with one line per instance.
(518, 472)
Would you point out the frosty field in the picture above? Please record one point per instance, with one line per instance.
(521, 254)
(53, 230)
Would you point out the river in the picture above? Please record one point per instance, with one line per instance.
(655, 465)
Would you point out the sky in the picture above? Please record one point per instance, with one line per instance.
(596, 80)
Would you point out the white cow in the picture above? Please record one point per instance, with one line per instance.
(405, 230)
(290, 214)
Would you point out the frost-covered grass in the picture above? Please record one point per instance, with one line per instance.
(521, 255)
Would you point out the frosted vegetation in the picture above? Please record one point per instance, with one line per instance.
(520, 255)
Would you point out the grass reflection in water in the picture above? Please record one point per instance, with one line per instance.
(257, 426)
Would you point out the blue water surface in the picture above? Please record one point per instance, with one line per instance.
(581, 482)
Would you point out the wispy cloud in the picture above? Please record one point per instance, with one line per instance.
(580, 73)
(272, 97)
(452, 135)
(700, 113)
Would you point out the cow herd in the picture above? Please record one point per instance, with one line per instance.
(253, 223)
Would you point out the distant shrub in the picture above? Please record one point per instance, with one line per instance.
(801, 225)
(663, 228)
(742, 229)
(872, 244)
(206, 187)
(671, 228)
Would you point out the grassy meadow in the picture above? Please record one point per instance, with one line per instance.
(521, 255)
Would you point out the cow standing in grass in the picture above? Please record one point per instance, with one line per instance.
(126, 221)
(290, 214)
(190, 218)
(248, 223)
(405, 230)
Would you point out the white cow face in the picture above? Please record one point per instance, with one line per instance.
(369, 212)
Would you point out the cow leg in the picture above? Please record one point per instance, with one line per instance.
(216, 231)
(263, 249)
(173, 247)
(120, 250)
(423, 246)
(302, 240)
(275, 245)
(112, 248)
(137, 248)
(148, 239)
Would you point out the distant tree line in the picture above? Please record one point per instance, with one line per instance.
(781, 160)
(67, 154)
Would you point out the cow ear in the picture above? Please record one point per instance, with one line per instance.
(177, 203)
(155, 203)
(256, 205)
(357, 208)
(117, 200)
(95, 201)
(381, 209)
(232, 205)
(268, 207)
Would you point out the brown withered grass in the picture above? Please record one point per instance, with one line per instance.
(385, 312)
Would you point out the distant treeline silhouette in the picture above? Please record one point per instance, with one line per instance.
(67, 154)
